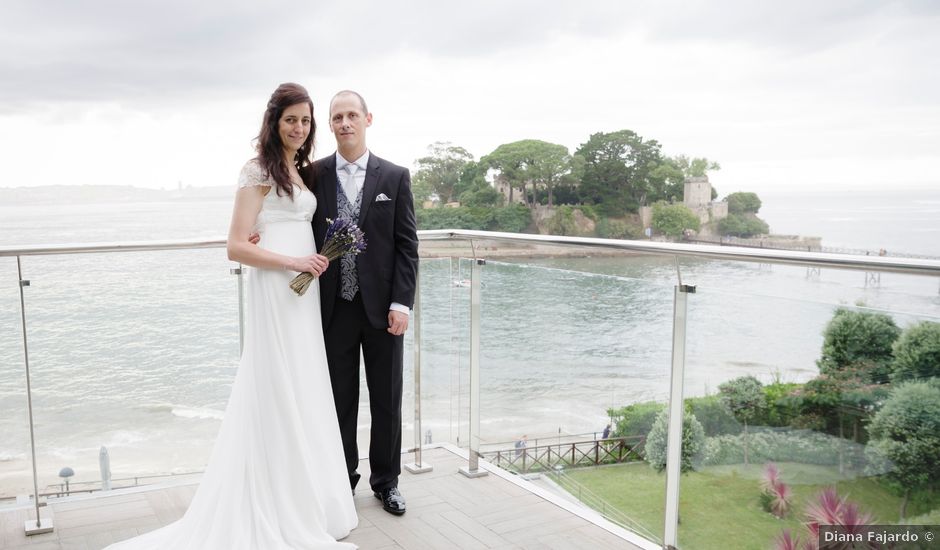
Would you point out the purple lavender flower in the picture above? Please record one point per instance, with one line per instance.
(342, 237)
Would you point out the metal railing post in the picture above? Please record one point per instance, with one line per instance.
(476, 273)
(239, 271)
(418, 467)
(674, 440)
(39, 525)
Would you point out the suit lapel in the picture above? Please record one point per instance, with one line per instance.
(369, 187)
(328, 181)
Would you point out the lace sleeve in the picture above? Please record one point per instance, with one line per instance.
(253, 175)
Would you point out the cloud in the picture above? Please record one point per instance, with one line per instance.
(763, 88)
(107, 50)
(112, 50)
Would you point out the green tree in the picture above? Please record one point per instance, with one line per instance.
(694, 167)
(744, 397)
(905, 440)
(743, 203)
(635, 419)
(673, 219)
(441, 170)
(859, 338)
(618, 172)
(782, 405)
(917, 352)
(693, 442)
(668, 181)
(481, 196)
(844, 396)
(534, 163)
(513, 218)
(420, 192)
(742, 225)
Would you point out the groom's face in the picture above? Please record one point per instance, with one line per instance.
(348, 123)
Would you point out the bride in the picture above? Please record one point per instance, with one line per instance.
(276, 479)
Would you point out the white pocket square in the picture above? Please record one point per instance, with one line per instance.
(382, 198)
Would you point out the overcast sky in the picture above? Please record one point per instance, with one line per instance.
(798, 94)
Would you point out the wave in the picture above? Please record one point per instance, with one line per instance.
(183, 411)
(196, 412)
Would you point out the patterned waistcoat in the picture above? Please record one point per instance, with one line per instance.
(349, 277)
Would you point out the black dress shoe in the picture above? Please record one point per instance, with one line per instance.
(392, 501)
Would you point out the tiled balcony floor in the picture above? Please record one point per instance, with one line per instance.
(446, 510)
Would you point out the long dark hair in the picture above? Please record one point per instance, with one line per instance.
(269, 145)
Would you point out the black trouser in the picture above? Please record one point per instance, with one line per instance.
(348, 329)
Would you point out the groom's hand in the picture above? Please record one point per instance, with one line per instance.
(397, 322)
(254, 238)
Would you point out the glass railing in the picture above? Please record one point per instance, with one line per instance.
(135, 352)
(787, 387)
(131, 355)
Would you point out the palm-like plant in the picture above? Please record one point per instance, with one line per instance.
(827, 509)
(776, 495)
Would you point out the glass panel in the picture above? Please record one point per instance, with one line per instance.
(567, 343)
(15, 471)
(439, 361)
(786, 371)
(133, 352)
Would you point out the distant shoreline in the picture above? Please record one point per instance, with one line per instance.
(501, 249)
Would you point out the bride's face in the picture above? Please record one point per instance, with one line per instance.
(294, 126)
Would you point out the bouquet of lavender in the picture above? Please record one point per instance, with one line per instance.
(342, 237)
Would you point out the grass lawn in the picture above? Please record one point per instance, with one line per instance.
(719, 507)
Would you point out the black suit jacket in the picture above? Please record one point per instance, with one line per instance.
(388, 268)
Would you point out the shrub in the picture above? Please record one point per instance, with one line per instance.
(453, 218)
(917, 353)
(612, 228)
(776, 496)
(905, 439)
(827, 509)
(744, 397)
(636, 419)
(673, 219)
(714, 416)
(781, 405)
(742, 225)
(562, 222)
(481, 196)
(693, 439)
(765, 445)
(854, 337)
(514, 218)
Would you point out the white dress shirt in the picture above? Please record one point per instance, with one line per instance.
(361, 164)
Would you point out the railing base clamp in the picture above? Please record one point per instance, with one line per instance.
(416, 468)
(466, 471)
(32, 528)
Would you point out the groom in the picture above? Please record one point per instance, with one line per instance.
(365, 300)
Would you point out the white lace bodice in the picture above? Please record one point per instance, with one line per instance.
(277, 208)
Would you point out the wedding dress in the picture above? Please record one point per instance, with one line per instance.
(276, 478)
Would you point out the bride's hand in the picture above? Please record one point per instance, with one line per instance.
(314, 263)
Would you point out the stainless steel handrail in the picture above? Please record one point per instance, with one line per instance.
(131, 246)
(913, 266)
